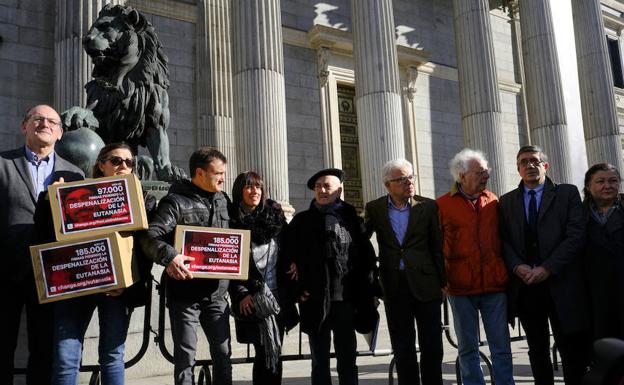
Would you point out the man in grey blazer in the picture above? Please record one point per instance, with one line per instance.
(25, 173)
(542, 229)
(412, 273)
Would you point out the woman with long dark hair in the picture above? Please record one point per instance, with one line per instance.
(604, 250)
(262, 306)
(72, 316)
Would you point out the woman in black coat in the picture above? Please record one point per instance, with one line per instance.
(604, 252)
(262, 305)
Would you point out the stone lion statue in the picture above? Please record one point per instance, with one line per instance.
(127, 98)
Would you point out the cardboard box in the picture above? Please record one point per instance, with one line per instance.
(74, 268)
(219, 253)
(97, 206)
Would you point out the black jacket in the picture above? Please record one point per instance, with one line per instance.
(139, 293)
(560, 239)
(186, 204)
(266, 223)
(603, 266)
(306, 241)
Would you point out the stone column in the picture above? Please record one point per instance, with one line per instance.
(545, 102)
(72, 66)
(602, 136)
(214, 82)
(478, 86)
(259, 99)
(377, 90)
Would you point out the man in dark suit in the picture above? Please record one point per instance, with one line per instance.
(25, 173)
(542, 230)
(411, 271)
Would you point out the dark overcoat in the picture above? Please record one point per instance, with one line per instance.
(307, 242)
(603, 263)
(560, 238)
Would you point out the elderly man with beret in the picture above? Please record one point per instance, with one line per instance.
(337, 275)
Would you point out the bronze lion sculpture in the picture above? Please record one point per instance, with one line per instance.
(127, 97)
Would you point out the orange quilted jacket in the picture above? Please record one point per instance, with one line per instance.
(472, 246)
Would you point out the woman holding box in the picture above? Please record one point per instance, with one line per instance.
(261, 305)
(72, 316)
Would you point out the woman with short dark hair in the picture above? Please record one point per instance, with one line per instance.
(604, 252)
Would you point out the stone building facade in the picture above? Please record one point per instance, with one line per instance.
(287, 87)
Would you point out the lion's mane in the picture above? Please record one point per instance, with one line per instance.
(130, 104)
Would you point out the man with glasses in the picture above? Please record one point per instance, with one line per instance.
(411, 272)
(25, 174)
(477, 277)
(542, 229)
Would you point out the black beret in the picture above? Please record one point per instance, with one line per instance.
(338, 173)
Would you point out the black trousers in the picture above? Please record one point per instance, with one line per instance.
(535, 309)
(340, 322)
(261, 374)
(401, 310)
(38, 327)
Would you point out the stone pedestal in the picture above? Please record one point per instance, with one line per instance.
(71, 63)
(478, 86)
(215, 124)
(259, 100)
(547, 118)
(602, 136)
(378, 92)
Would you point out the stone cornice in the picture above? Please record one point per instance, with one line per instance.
(341, 41)
(172, 9)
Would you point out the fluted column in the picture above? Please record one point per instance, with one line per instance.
(259, 100)
(72, 65)
(602, 135)
(214, 82)
(547, 118)
(478, 86)
(377, 91)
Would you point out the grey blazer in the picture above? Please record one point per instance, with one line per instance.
(421, 248)
(17, 209)
(561, 236)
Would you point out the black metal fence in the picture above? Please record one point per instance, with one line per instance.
(204, 377)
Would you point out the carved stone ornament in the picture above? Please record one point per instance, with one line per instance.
(127, 96)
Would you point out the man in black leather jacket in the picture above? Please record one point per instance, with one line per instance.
(198, 202)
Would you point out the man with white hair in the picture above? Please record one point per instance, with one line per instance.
(411, 273)
(477, 276)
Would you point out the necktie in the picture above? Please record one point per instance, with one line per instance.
(532, 210)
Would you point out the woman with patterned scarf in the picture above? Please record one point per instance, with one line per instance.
(262, 306)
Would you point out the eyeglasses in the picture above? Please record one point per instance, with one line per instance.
(38, 119)
(117, 161)
(403, 179)
(530, 161)
(483, 172)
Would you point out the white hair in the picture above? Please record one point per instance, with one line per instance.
(395, 164)
(460, 162)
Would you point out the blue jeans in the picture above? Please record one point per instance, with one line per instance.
(71, 318)
(493, 308)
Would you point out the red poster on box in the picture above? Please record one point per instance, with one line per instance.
(214, 253)
(218, 253)
(77, 267)
(94, 205)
